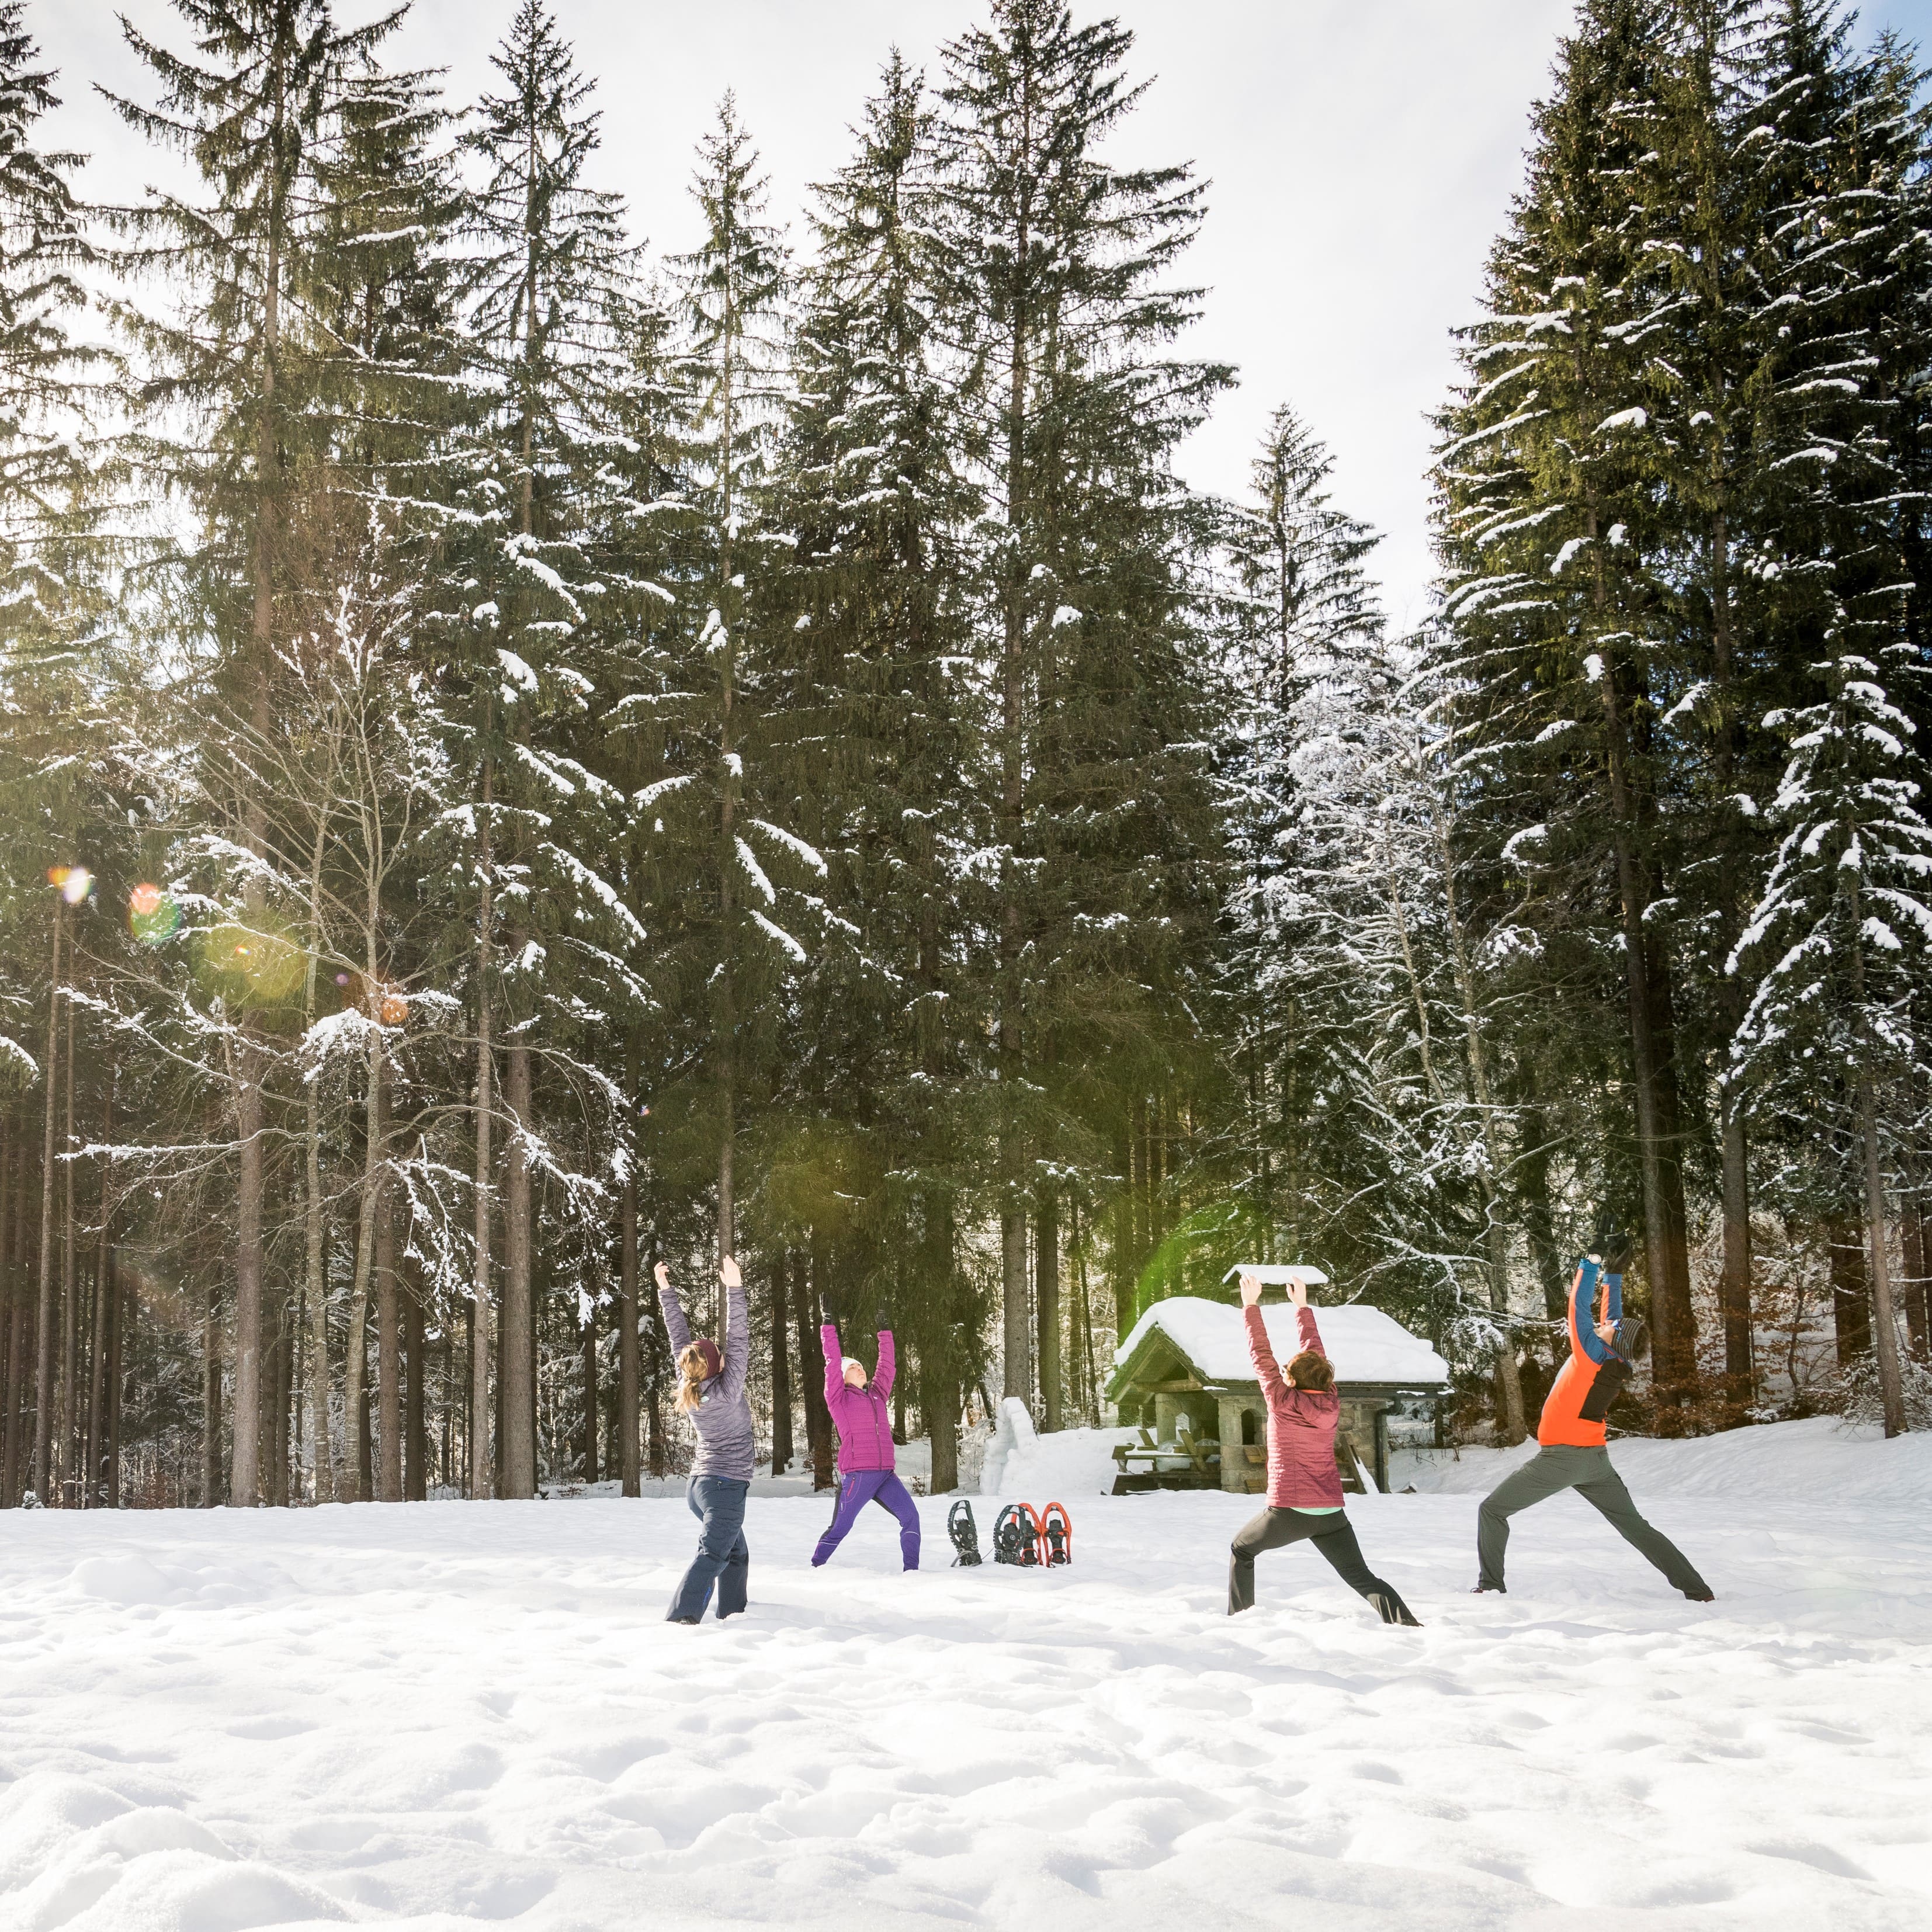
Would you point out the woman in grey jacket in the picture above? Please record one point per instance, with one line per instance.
(712, 1394)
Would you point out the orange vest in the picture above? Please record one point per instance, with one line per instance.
(1561, 1426)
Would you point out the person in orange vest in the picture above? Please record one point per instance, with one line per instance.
(1604, 1351)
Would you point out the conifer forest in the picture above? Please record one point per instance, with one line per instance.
(523, 755)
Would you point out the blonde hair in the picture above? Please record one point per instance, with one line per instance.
(692, 1365)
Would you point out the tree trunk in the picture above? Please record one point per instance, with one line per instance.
(66, 1486)
(1015, 1323)
(589, 1347)
(40, 1470)
(1917, 1306)
(1851, 1293)
(628, 1464)
(13, 1428)
(355, 1376)
(653, 1366)
(119, 1294)
(1046, 1294)
(1734, 1287)
(210, 1400)
(517, 1340)
(1892, 1390)
(244, 1483)
(1532, 1180)
(388, 1347)
(817, 1417)
(103, 1318)
(415, 1441)
(482, 1458)
(781, 1370)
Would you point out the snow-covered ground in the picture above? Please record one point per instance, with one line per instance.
(434, 1715)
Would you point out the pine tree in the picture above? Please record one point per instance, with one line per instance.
(880, 734)
(551, 268)
(1056, 294)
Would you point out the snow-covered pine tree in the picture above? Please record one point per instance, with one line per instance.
(1058, 297)
(1836, 944)
(550, 269)
(1560, 555)
(879, 733)
(721, 801)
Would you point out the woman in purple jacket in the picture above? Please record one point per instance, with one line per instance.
(864, 1422)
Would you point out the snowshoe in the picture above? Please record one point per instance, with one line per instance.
(1056, 1532)
(1016, 1536)
(964, 1533)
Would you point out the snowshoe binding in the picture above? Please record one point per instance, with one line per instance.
(1056, 1533)
(964, 1533)
(1016, 1536)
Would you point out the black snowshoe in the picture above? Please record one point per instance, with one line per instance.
(964, 1533)
(1056, 1531)
(1016, 1536)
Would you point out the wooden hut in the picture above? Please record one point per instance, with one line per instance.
(1182, 1377)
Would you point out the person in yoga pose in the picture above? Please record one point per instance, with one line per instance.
(1573, 1454)
(861, 1415)
(711, 1392)
(1304, 1488)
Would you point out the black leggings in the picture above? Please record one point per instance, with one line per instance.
(1334, 1536)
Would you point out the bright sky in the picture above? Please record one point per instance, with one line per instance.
(1361, 154)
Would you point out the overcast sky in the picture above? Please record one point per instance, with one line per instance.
(1361, 154)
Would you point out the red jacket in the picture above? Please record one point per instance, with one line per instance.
(1302, 1473)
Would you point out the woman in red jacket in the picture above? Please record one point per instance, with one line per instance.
(1304, 1491)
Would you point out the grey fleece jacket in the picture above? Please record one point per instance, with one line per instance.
(726, 1445)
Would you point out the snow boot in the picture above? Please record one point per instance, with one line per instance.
(964, 1533)
(1390, 1608)
(1016, 1536)
(1056, 1531)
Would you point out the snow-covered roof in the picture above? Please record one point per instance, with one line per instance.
(1364, 1344)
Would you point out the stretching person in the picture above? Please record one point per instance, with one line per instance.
(1304, 1492)
(865, 1426)
(1570, 1430)
(712, 1394)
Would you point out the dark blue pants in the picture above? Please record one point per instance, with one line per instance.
(723, 1558)
(855, 1492)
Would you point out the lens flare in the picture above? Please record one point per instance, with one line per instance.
(342, 979)
(152, 915)
(250, 965)
(393, 1009)
(76, 882)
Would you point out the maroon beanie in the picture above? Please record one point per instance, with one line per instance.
(713, 1361)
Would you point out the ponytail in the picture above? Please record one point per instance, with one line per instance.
(696, 1372)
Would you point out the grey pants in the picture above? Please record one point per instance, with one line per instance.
(1334, 1536)
(1588, 1471)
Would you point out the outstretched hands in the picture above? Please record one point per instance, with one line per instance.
(729, 1272)
(663, 1274)
(1251, 1290)
(1297, 1293)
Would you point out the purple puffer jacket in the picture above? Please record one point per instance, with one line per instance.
(860, 1415)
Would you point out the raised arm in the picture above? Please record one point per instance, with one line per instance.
(677, 1330)
(1267, 1369)
(737, 1341)
(882, 1377)
(834, 1365)
(1583, 1336)
(1311, 1336)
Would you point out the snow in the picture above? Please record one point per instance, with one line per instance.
(431, 1715)
(1364, 1344)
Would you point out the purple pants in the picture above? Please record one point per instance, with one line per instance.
(855, 1492)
